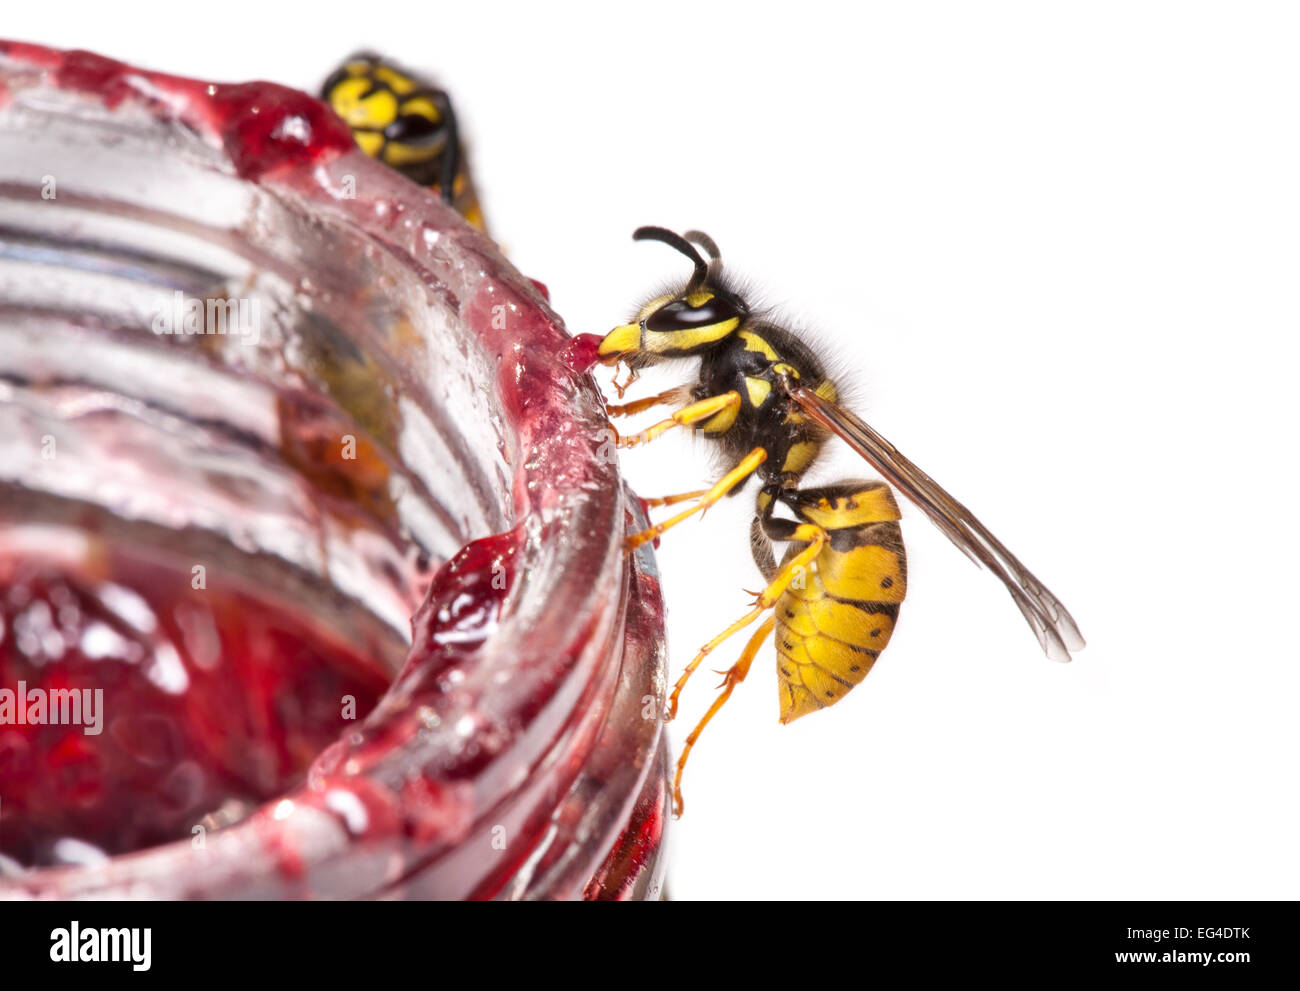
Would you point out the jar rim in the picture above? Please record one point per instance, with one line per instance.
(560, 630)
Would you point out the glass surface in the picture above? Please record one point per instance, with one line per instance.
(394, 475)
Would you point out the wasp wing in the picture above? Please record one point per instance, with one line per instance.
(1051, 623)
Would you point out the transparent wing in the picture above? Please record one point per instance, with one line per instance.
(1051, 623)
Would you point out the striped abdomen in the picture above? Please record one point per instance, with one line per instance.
(831, 627)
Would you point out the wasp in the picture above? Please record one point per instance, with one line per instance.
(766, 399)
(408, 124)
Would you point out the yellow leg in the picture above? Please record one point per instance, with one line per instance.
(684, 417)
(735, 675)
(724, 485)
(765, 600)
(673, 500)
(649, 402)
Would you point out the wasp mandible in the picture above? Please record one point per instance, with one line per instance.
(766, 399)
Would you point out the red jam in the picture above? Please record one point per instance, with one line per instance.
(262, 125)
(195, 703)
(581, 353)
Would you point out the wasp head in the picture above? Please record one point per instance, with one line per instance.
(682, 323)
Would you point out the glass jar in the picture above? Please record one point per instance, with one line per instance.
(280, 435)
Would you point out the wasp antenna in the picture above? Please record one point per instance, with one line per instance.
(711, 248)
(707, 243)
(674, 240)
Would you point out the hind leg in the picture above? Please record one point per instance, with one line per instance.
(796, 566)
(734, 676)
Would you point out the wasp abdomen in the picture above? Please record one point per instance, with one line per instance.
(831, 626)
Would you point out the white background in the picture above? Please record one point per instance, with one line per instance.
(1054, 249)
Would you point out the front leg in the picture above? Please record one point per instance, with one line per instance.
(665, 398)
(685, 417)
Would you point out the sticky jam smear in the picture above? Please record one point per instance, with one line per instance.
(195, 705)
(263, 126)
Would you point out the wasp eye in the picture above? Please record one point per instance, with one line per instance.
(702, 309)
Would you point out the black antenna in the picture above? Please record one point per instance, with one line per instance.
(681, 244)
(705, 242)
(711, 247)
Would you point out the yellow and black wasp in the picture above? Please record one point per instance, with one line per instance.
(406, 123)
(764, 396)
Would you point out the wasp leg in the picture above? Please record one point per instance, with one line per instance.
(673, 500)
(724, 485)
(794, 569)
(735, 675)
(649, 402)
(684, 417)
(632, 375)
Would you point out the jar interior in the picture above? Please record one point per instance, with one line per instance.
(235, 442)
